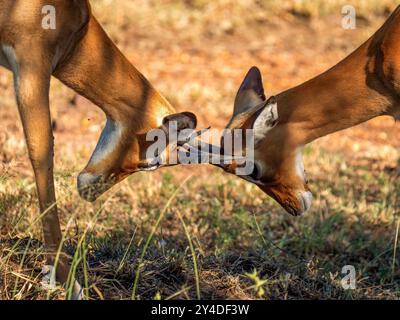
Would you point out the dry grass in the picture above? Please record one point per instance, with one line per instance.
(196, 53)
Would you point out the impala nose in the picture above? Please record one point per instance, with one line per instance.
(90, 186)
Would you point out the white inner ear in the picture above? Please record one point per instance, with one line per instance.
(265, 121)
(245, 101)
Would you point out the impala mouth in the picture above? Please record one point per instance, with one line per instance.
(92, 186)
(148, 166)
(305, 200)
(206, 153)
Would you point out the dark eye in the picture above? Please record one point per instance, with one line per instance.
(256, 174)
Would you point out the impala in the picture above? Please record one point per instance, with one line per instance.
(363, 86)
(80, 54)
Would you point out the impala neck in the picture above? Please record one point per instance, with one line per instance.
(346, 95)
(97, 70)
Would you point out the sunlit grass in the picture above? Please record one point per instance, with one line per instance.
(234, 232)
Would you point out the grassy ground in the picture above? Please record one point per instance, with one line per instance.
(213, 235)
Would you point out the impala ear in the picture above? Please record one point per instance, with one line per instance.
(180, 121)
(251, 92)
(265, 119)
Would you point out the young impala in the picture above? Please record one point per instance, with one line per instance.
(80, 54)
(364, 85)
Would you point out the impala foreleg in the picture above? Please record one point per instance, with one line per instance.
(32, 91)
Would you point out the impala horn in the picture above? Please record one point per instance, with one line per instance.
(205, 152)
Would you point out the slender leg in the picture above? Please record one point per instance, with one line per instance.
(32, 90)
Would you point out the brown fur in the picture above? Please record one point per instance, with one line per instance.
(364, 85)
(81, 55)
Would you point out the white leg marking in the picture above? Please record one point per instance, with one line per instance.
(77, 293)
(49, 278)
(49, 283)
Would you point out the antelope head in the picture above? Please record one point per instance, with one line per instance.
(276, 162)
(123, 148)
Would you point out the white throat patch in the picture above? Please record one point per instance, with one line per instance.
(300, 164)
(109, 139)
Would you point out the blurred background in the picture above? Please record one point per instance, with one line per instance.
(196, 52)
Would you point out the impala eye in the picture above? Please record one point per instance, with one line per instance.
(256, 174)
